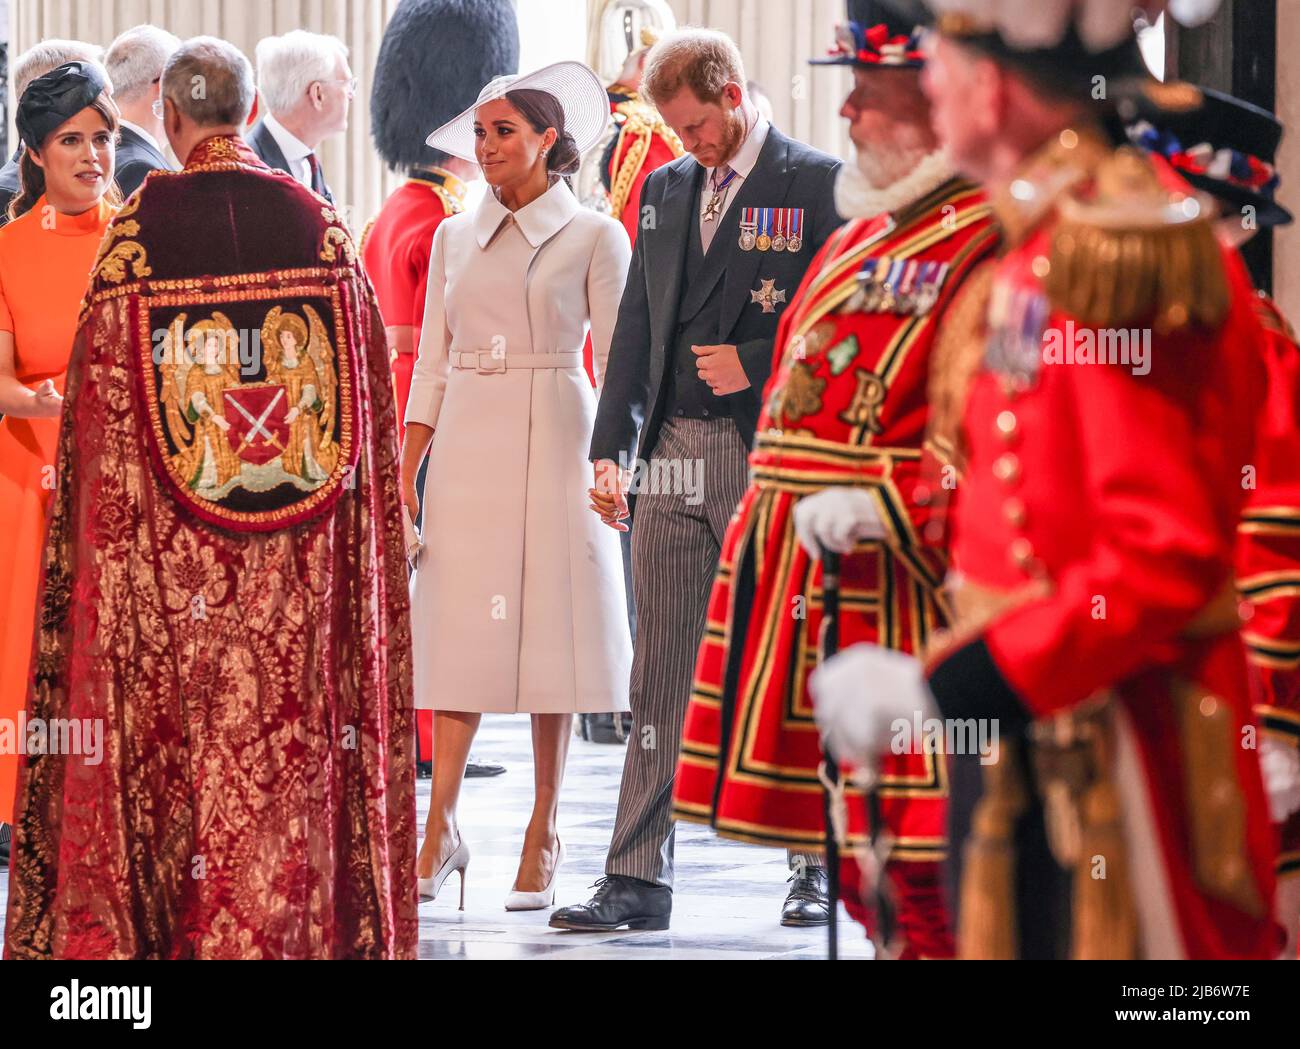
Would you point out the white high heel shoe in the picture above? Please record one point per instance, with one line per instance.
(537, 901)
(457, 861)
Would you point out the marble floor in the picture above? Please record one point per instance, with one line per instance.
(726, 904)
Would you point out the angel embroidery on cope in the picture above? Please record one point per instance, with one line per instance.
(227, 434)
(300, 359)
(197, 368)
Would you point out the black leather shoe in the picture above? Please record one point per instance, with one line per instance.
(605, 728)
(474, 769)
(619, 901)
(6, 832)
(806, 903)
(477, 768)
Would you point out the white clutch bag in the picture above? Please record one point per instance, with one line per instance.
(414, 544)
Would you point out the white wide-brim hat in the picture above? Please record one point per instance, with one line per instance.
(578, 90)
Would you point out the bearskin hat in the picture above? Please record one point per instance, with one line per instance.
(435, 57)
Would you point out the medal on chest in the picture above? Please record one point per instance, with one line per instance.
(768, 295)
(1017, 318)
(771, 229)
(764, 241)
(779, 240)
(718, 195)
(889, 285)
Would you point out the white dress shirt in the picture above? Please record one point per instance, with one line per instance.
(293, 148)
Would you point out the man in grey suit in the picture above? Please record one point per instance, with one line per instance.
(307, 86)
(135, 62)
(727, 234)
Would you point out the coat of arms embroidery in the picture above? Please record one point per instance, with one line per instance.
(252, 423)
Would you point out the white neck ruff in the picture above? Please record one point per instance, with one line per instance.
(856, 197)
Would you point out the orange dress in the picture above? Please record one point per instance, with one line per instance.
(44, 272)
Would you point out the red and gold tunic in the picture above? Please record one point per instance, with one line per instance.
(644, 144)
(395, 249)
(1268, 552)
(846, 405)
(1094, 537)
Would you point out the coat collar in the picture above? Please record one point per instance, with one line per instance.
(223, 149)
(538, 221)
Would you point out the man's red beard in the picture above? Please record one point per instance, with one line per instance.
(733, 136)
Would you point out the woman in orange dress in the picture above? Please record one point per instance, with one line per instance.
(68, 125)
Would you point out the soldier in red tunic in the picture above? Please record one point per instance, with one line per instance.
(1227, 148)
(845, 416)
(1107, 433)
(434, 57)
(641, 143)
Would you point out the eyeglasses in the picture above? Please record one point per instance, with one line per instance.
(350, 85)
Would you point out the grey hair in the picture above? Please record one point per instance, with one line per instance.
(40, 58)
(287, 65)
(210, 81)
(136, 59)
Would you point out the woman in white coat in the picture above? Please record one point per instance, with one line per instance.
(517, 600)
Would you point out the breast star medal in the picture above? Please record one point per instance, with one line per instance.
(767, 296)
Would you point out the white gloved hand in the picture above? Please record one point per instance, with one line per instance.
(836, 519)
(1280, 764)
(860, 693)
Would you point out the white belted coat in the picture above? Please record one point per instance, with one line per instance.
(518, 601)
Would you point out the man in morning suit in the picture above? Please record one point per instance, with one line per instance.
(307, 85)
(728, 232)
(135, 62)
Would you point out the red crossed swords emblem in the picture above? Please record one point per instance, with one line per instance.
(258, 429)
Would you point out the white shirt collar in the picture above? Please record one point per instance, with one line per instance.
(538, 221)
(747, 155)
(291, 146)
(141, 132)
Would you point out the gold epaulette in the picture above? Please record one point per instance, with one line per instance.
(640, 124)
(365, 234)
(1132, 251)
(958, 351)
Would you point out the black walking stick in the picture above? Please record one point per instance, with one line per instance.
(881, 843)
(830, 770)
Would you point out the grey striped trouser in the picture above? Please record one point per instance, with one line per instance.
(677, 537)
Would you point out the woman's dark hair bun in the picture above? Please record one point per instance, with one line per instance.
(564, 157)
